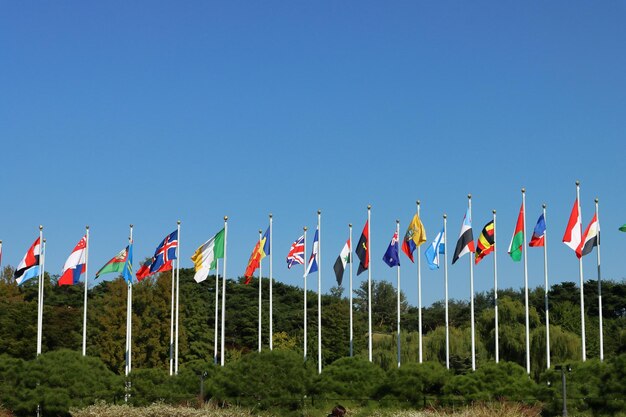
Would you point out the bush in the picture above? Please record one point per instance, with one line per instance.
(413, 382)
(349, 378)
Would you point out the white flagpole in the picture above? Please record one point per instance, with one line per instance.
(129, 309)
(177, 298)
(319, 291)
(445, 278)
(526, 281)
(85, 297)
(350, 297)
(172, 323)
(217, 300)
(419, 293)
(224, 291)
(599, 288)
(495, 287)
(546, 289)
(471, 263)
(582, 282)
(260, 283)
(271, 329)
(42, 256)
(398, 277)
(305, 306)
(369, 285)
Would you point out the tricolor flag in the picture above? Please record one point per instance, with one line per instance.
(257, 254)
(572, 236)
(415, 235)
(116, 264)
(165, 253)
(29, 266)
(517, 241)
(592, 238)
(485, 243)
(296, 253)
(434, 250)
(206, 256)
(363, 250)
(465, 244)
(539, 234)
(75, 264)
(392, 256)
(342, 260)
(313, 261)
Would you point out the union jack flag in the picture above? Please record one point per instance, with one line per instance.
(165, 253)
(296, 253)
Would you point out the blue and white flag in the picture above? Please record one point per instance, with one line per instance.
(433, 251)
(312, 267)
(391, 257)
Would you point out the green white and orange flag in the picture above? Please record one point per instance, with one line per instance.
(517, 242)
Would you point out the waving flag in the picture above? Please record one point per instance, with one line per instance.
(486, 242)
(392, 256)
(296, 253)
(517, 241)
(465, 244)
(165, 253)
(29, 266)
(363, 251)
(415, 235)
(342, 260)
(313, 260)
(591, 238)
(434, 250)
(206, 256)
(572, 236)
(257, 254)
(75, 264)
(539, 234)
(144, 270)
(116, 264)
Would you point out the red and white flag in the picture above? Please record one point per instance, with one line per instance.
(592, 238)
(572, 236)
(75, 264)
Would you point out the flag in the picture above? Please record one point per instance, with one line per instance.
(75, 264)
(434, 250)
(591, 238)
(206, 256)
(363, 250)
(622, 228)
(465, 244)
(572, 236)
(313, 260)
(415, 235)
(539, 234)
(342, 260)
(127, 271)
(29, 266)
(517, 241)
(144, 270)
(257, 254)
(116, 264)
(485, 243)
(392, 256)
(296, 253)
(265, 247)
(165, 253)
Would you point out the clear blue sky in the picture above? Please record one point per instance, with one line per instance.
(148, 112)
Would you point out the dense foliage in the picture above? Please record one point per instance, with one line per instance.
(62, 378)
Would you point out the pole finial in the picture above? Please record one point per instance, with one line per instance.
(445, 216)
(225, 218)
(40, 227)
(544, 205)
(270, 215)
(369, 206)
(469, 196)
(397, 221)
(131, 225)
(493, 211)
(349, 224)
(596, 200)
(87, 227)
(305, 228)
(417, 202)
(319, 211)
(523, 190)
(577, 182)
(44, 240)
(260, 231)
(178, 222)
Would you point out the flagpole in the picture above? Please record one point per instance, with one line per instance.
(172, 323)
(419, 293)
(471, 263)
(319, 291)
(582, 282)
(177, 297)
(217, 300)
(305, 306)
(445, 279)
(271, 330)
(526, 282)
(224, 291)
(42, 256)
(129, 309)
(599, 288)
(350, 297)
(369, 286)
(398, 277)
(260, 283)
(495, 287)
(86, 284)
(546, 289)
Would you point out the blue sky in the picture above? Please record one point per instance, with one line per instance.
(148, 112)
